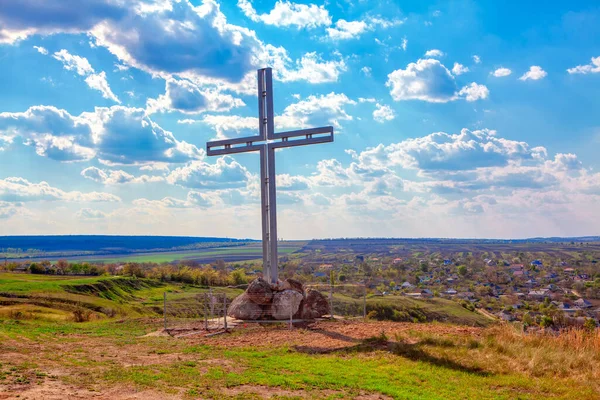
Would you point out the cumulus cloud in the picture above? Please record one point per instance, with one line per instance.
(344, 30)
(286, 13)
(474, 92)
(115, 177)
(434, 53)
(313, 111)
(225, 125)
(90, 214)
(15, 189)
(186, 97)
(117, 135)
(310, 67)
(82, 67)
(286, 182)
(591, 68)
(366, 70)
(426, 80)
(320, 110)
(9, 209)
(41, 50)
(500, 72)
(199, 40)
(459, 69)
(442, 151)
(429, 80)
(54, 133)
(476, 59)
(224, 173)
(383, 113)
(535, 73)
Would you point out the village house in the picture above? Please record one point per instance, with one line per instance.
(582, 303)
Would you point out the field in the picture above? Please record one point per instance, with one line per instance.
(120, 351)
(493, 249)
(245, 252)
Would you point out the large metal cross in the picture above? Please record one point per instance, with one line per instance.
(270, 141)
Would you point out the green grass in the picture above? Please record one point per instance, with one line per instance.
(440, 368)
(162, 257)
(418, 365)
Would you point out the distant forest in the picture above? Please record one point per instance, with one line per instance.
(102, 243)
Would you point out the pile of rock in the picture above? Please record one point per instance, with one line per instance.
(278, 301)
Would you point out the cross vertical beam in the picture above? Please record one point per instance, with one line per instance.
(271, 142)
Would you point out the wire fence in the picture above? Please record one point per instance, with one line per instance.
(200, 311)
(191, 313)
(346, 301)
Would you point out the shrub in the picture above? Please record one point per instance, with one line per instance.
(589, 325)
(546, 321)
(81, 315)
(36, 268)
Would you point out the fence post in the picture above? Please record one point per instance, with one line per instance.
(205, 312)
(365, 302)
(165, 309)
(225, 310)
(331, 299)
(290, 318)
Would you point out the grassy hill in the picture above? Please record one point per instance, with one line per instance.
(117, 354)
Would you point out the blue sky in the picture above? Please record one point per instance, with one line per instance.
(452, 118)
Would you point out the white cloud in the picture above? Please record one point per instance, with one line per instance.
(442, 151)
(225, 125)
(500, 72)
(185, 97)
(344, 30)
(98, 82)
(114, 177)
(476, 59)
(313, 111)
(591, 68)
(383, 113)
(426, 80)
(8, 210)
(166, 202)
(535, 73)
(198, 40)
(434, 53)
(404, 43)
(224, 173)
(347, 29)
(474, 92)
(366, 70)
(74, 63)
(429, 80)
(367, 100)
(82, 67)
(117, 135)
(41, 50)
(321, 110)
(310, 67)
(16, 189)
(90, 214)
(459, 69)
(286, 13)
(286, 182)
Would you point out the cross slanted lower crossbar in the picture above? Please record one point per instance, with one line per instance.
(266, 142)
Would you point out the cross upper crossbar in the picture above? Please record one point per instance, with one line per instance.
(266, 142)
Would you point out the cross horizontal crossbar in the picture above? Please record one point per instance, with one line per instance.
(247, 144)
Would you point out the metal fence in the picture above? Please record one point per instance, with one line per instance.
(193, 312)
(346, 301)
